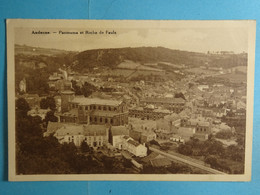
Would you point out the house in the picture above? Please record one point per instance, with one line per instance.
(117, 134)
(186, 133)
(148, 112)
(52, 127)
(173, 104)
(94, 135)
(164, 135)
(203, 87)
(176, 138)
(70, 133)
(38, 112)
(142, 136)
(169, 123)
(134, 147)
(240, 105)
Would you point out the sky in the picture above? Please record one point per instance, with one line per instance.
(189, 39)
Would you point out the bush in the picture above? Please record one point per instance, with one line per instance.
(185, 149)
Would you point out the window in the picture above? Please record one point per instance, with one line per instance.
(109, 108)
(86, 107)
(94, 107)
(105, 120)
(115, 109)
(90, 107)
(111, 121)
(104, 108)
(100, 120)
(90, 118)
(95, 119)
(99, 107)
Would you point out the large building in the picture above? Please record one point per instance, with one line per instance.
(94, 135)
(202, 127)
(173, 104)
(148, 112)
(92, 110)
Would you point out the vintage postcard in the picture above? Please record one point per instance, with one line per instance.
(130, 100)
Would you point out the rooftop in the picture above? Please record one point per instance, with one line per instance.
(53, 127)
(77, 129)
(68, 92)
(72, 112)
(119, 130)
(132, 142)
(164, 100)
(98, 101)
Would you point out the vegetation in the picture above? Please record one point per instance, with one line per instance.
(215, 154)
(112, 57)
(224, 134)
(174, 168)
(36, 154)
(87, 89)
(48, 102)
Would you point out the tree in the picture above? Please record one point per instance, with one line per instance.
(50, 117)
(224, 134)
(77, 89)
(88, 89)
(212, 161)
(84, 147)
(22, 106)
(185, 149)
(48, 102)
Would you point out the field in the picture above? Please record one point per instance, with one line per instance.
(128, 73)
(234, 77)
(127, 64)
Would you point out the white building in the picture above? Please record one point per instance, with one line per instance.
(117, 133)
(134, 147)
(94, 135)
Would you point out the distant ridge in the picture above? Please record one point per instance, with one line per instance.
(110, 58)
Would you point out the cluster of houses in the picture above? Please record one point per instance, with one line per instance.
(109, 119)
(96, 136)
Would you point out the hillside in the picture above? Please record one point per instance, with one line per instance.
(28, 50)
(113, 57)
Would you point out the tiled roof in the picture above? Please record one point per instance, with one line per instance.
(86, 130)
(70, 129)
(96, 101)
(104, 113)
(72, 112)
(164, 100)
(119, 130)
(53, 127)
(91, 130)
(132, 142)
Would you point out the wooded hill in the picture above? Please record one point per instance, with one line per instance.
(110, 58)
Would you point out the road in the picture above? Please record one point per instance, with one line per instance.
(194, 164)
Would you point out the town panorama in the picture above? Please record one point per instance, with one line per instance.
(139, 110)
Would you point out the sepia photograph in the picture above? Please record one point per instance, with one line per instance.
(130, 100)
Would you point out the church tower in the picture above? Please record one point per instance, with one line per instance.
(66, 97)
